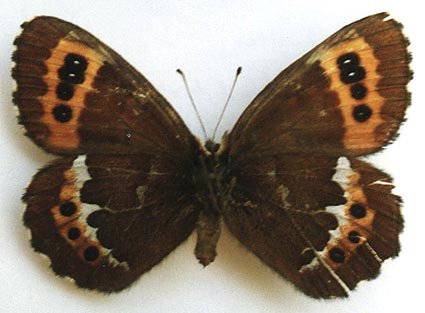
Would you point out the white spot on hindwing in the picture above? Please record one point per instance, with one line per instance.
(82, 175)
(343, 172)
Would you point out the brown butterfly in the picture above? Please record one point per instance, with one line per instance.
(131, 182)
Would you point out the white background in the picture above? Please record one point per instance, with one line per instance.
(208, 40)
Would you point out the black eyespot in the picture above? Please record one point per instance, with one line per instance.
(73, 69)
(75, 62)
(74, 233)
(337, 255)
(91, 253)
(357, 210)
(354, 236)
(352, 74)
(65, 91)
(362, 113)
(68, 208)
(358, 91)
(62, 113)
(348, 59)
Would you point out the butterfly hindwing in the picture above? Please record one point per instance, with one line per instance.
(299, 198)
(103, 220)
(323, 223)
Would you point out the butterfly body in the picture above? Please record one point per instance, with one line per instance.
(207, 180)
(131, 182)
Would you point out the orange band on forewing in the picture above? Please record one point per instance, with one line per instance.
(358, 135)
(65, 135)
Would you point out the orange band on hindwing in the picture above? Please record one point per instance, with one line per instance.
(70, 221)
(355, 230)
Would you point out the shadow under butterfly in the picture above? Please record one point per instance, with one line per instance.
(131, 182)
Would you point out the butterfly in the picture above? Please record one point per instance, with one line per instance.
(131, 182)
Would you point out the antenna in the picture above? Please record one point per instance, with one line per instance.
(193, 103)
(238, 71)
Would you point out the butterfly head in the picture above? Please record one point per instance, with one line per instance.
(212, 146)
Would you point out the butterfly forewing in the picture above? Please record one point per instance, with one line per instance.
(347, 96)
(300, 200)
(76, 95)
